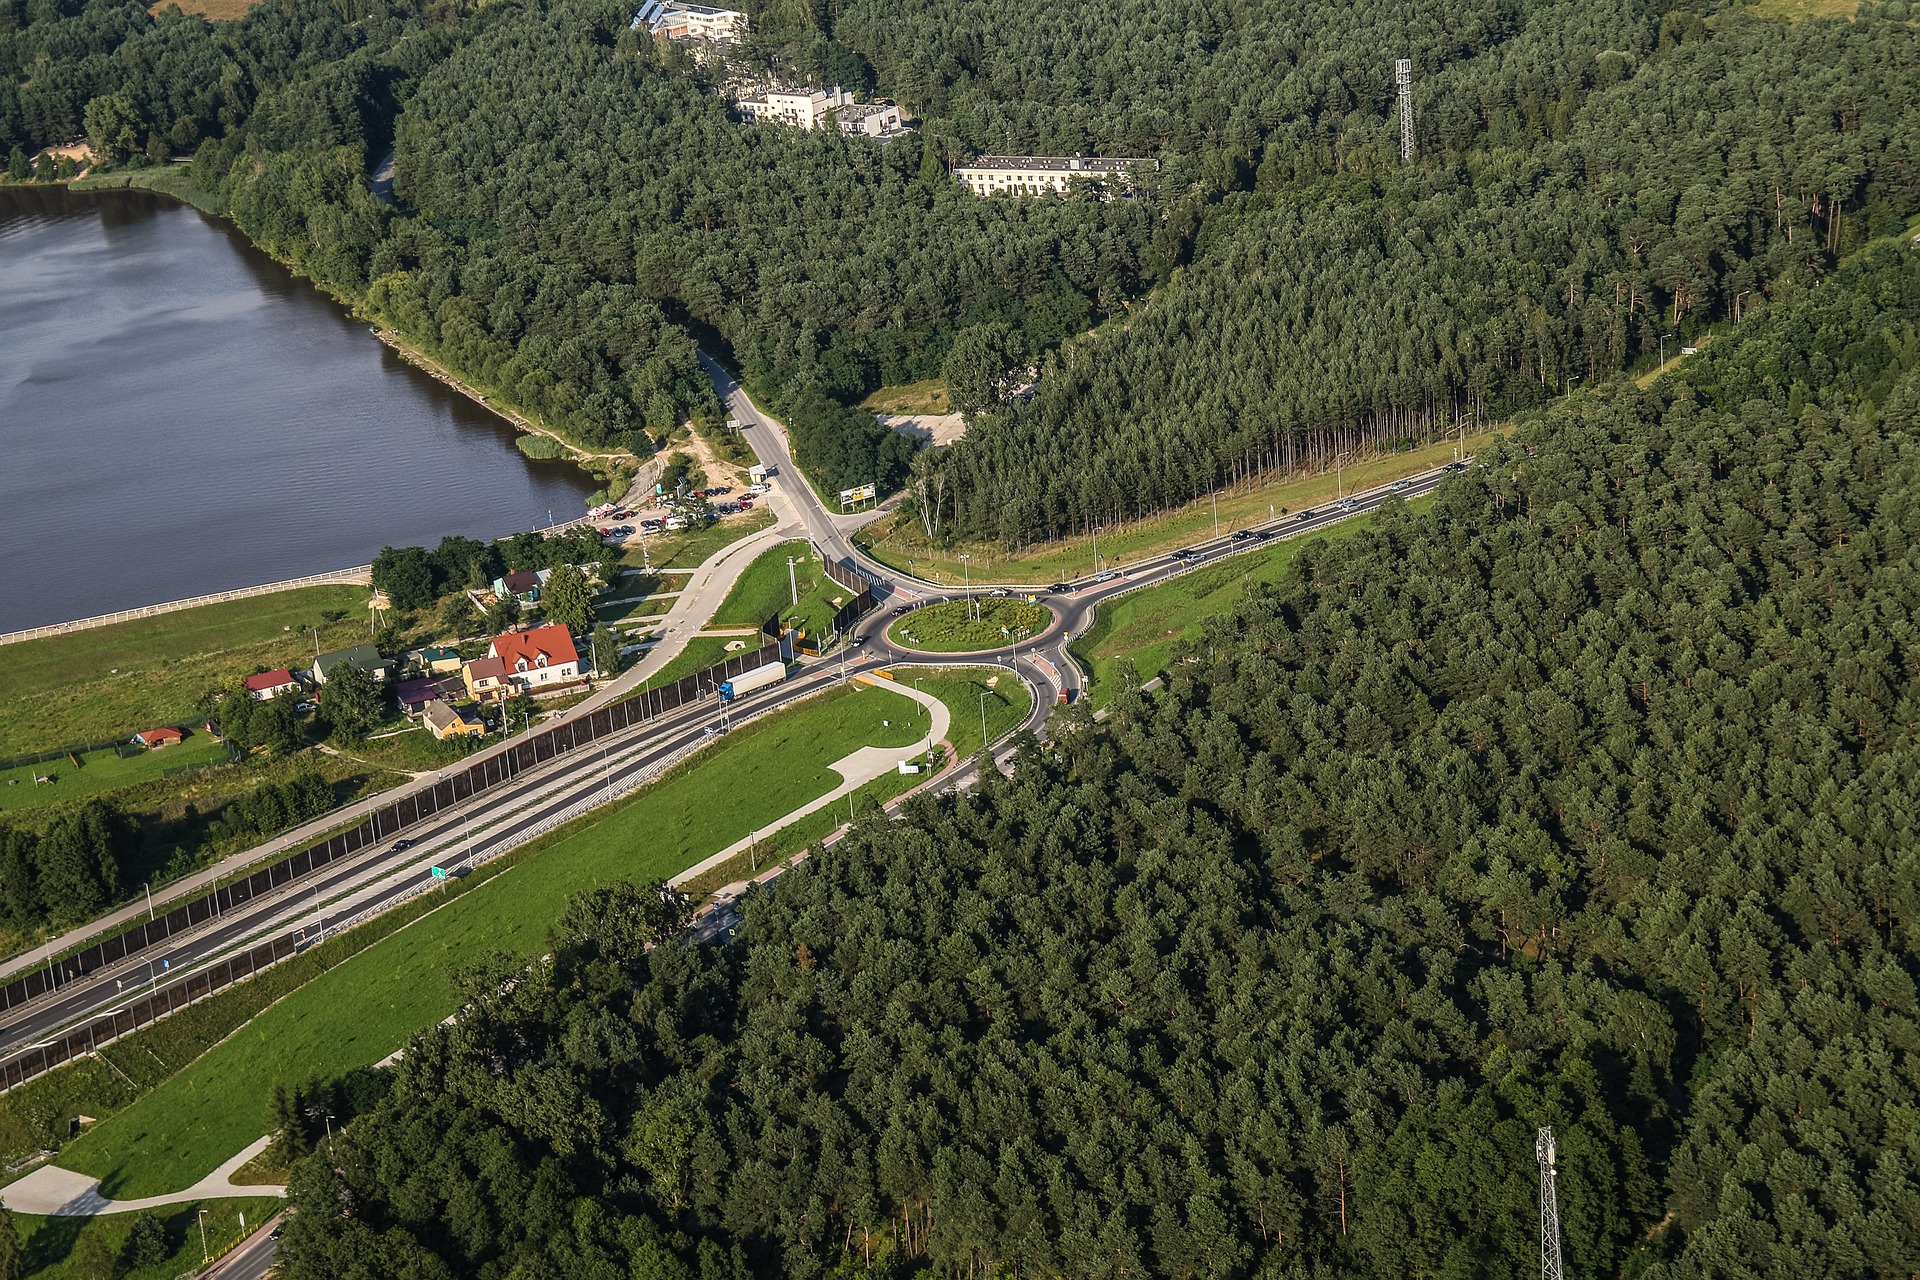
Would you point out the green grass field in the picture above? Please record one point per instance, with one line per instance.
(108, 683)
(690, 549)
(362, 1010)
(764, 590)
(53, 1245)
(1146, 625)
(903, 545)
(946, 628)
(926, 396)
(100, 771)
(701, 652)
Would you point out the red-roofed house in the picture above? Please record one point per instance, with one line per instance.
(158, 737)
(271, 684)
(525, 661)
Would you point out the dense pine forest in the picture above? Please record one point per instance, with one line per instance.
(1583, 797)
(573, 208)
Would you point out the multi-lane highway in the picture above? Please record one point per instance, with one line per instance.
(503, 815)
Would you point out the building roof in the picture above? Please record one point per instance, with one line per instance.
(482, 668)
(1072, 164)
(442, 717)
(418, 690)
(554, 642)
(364, 656)
(269, 680)
(520, 580)
(152, 736)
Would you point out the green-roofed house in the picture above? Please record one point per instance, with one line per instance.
(435, 660)
(363, 656)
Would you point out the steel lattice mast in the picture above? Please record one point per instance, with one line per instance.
(1549, 1208)
(1403, 78)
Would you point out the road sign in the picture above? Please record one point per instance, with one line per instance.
(439, 873)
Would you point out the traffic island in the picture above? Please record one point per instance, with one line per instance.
(961, 626)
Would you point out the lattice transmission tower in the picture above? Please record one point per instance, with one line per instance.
(1403, 77)
(1549, 1208)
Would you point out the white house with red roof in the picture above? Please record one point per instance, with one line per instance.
(271, 684)
(525, 662)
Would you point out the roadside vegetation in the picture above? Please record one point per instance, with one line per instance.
(900, 541)
(956, 626)
(766, 590)
(157, 1244)
(926, 396)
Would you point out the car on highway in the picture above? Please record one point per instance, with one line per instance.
(856, 642)
(999, 593)
(1243, 535)
(401, 846)
(1399, 486)
(1305, 516)
(1347, 504)
(1455, 466)
(1061, 588)
(901, 610)
(1105, 577)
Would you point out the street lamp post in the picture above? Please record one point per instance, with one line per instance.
(1096, 547)
(206, 1254)
(967, 571)
(983, 719)
(1663, 351)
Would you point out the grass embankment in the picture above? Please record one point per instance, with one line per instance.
(969, 692)
(950, 628)
(54, 1247)
(902, 543)
(108, 683)
(701, 652)
(928, 396)
(766, 589)
(101, 771)
(690, 549)
(360, 1011)
(1145, 625)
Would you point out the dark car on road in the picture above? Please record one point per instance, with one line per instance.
(900, 610)
(1455, 466)
(1305, 516)
(1061, 587)
(401, 846)
(1243, 535)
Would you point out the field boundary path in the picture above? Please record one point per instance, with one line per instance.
(359, 575)
(61, 1193)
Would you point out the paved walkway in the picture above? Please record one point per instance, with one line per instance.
(857, 769)
(62, 1193)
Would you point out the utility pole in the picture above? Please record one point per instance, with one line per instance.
(967, 570)
(1549, 1208)
(793, 583)
(206, 1255)
(1096, 548)
(1216, 513)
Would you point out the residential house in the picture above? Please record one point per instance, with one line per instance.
(525, 662)
(363, 656)
(412, 695)
(157, 738)
(434, 660)
(523, 584)
(445, 722)
(1040, 175)
(271, 684)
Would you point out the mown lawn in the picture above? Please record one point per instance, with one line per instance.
(101, 771)
(763, 590)
(360, 1011)
(902, 544)
(690, 549)
(109, 683)
(701, 652)
(947, 628)
(926, 396)
(1146, 625)
(52, 1245)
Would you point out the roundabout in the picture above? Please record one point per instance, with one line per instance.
(977, 625)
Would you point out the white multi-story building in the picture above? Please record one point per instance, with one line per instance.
(802, 108)
(822, 109)
(678, 20)
(1039, 175)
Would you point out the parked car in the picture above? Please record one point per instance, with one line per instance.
(762, 487)
(675, 524)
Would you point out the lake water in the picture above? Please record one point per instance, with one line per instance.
(180, 415)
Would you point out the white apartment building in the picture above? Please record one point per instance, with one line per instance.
(801, 108)
(1039, 175)
(870, 120)
(679, 20)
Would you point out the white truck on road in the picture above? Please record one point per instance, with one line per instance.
(758, 678)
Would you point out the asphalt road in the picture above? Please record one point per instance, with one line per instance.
(384, 876)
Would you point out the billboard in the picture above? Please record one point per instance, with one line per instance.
(859, 493)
